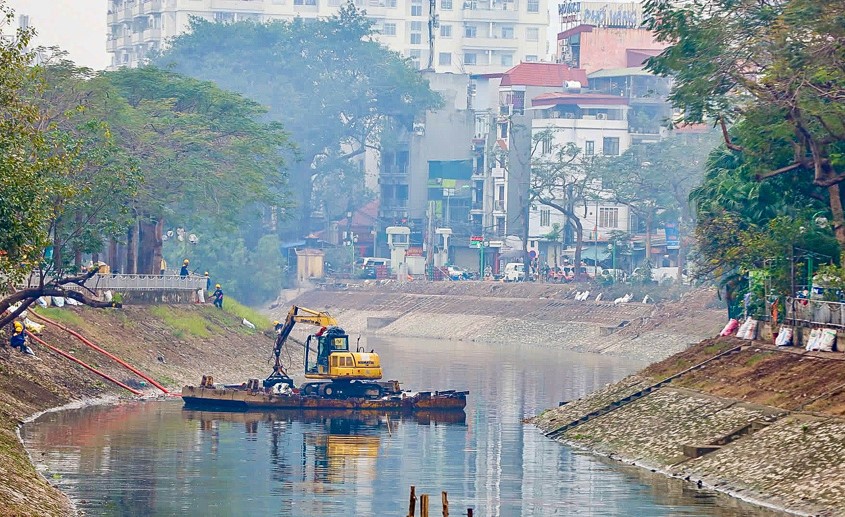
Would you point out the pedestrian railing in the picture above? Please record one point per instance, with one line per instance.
(121, 282)
(810, 312)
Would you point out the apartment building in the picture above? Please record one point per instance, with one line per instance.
(457, 36)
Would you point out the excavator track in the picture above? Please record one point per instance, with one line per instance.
(348, 389)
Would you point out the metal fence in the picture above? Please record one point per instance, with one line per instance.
(810, 312)
(121, 282)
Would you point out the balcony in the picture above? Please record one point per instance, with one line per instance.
(488, 43)
(234, 5)
(152, 6)
(152, 35)
(138, 37)
(111, 44)
(491, 15)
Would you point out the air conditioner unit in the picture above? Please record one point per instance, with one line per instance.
(601, 116)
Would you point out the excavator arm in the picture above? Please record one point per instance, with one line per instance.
(297, 315)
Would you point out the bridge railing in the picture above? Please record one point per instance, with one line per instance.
(122, 282)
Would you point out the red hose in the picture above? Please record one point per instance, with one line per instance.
(98, 372)
(104, 352)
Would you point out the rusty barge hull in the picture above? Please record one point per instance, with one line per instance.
(239, 399)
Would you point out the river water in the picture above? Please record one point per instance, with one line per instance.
(156, 458)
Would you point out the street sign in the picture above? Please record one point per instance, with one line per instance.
(475, 241)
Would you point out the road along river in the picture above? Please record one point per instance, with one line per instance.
(156, 458)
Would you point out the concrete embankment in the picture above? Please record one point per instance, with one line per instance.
(537, 314)
(761, 424)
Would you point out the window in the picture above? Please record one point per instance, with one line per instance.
(545, 217)
(304, 2)
(533, 6)
(507, 32)
(609, 217)
(416, 26)
(503, 130)
(445, 31)
(507, 59)
(415, 55)
(416, 10)
(389, 29)
(470, 31)
(469, 59)
(546, 144)
(416, 38)
(446, 5)
(589, 148)
(532, 34)
(445, 58)
(610, 146)
(531, 58)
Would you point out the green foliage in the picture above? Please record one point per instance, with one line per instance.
(258, 319)
(181, 323)
(63, 315)
(335, 89)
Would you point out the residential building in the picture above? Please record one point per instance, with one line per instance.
(459, 36)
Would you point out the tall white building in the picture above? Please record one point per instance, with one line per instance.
(459, 36)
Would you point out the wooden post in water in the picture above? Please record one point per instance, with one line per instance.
(469, 512)
(412, 504)
(444, 499)
(424, 505)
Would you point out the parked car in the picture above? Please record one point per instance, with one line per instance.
(514, 272)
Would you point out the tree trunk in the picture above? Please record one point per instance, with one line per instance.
(648, 238)
(112, 253)
(131, 249)
(838, 219)
(149, 245)
(57, 247)
(579, 245)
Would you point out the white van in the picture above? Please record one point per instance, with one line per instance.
(514, 272)
(374, 261)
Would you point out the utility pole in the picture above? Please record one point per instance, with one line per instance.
(433, 24)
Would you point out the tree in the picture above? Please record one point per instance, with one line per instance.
(560, 179)
(334, 88)
(203, 151)
(780, 65)
(37, 157)
(655, 179)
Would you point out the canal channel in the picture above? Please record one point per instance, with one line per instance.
(156, 458)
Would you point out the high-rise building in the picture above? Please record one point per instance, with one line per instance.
(459, 36)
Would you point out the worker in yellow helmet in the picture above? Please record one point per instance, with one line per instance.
(184, 271)
(218, 296)
(277, 327)
(18, 339)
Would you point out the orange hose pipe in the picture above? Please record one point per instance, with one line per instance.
(102, 351)
(77, 361)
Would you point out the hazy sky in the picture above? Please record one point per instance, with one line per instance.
(78, 26)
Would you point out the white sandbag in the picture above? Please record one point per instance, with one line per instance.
(827, 340)
(813, 342)
(751, 331)
(107, 296)
(743, 329)
(200, 296)
(42, 302)
(248, 323)
(71, 301)
(784, 337)
(59, 301)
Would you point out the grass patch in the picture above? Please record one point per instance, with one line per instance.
(754, 359)
(234, 308)
(61, 315)
(182, 324)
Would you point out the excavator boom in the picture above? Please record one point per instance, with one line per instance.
(296, 315)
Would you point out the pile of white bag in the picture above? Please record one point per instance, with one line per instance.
(748, 329)
(784, 337)
(821, 340)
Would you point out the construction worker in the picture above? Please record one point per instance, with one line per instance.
(218, 296)
(163, 266)
(18, 339)
(277, 327)
(207, 282)
(184, 271)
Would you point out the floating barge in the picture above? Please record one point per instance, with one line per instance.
(252, 396)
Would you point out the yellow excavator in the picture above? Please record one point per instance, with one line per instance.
(343, 373)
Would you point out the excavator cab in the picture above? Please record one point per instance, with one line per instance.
(333, 339)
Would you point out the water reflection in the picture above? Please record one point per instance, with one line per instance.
(160, 459)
